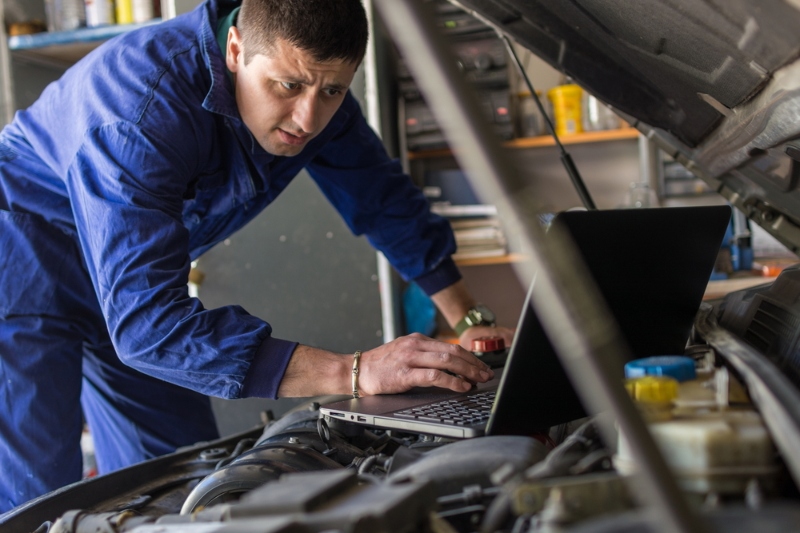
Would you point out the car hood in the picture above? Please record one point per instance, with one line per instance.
(715, 84)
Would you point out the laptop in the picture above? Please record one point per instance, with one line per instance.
(651, 266)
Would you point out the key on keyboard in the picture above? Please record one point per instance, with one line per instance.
(468, 410)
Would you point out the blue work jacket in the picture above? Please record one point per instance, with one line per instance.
(139, 153)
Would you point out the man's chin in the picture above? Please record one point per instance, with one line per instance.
(282, 149)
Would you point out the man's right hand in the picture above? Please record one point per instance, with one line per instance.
(406, 362)
(419, 361)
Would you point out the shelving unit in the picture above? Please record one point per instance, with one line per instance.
(68, 46)
(56, 51)
(543, 141)
(499, 260)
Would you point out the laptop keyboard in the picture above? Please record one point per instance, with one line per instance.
(463, 411)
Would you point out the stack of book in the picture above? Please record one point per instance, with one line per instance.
(477, 230)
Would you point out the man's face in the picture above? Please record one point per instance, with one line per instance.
(286, 98)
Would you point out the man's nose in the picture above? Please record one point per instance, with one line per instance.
(305, 112)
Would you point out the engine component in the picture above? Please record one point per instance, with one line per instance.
(714, 451)
(563, 501)
(305, 502)
(254, 468)
(780, 517)
(712, 447)
(526, 494)
(83, 522)
(766, 317)
(471, 462)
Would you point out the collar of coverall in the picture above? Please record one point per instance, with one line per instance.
(223, 26)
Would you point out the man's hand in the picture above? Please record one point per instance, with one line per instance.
(453, 302)
(419, 361)
(476, 332)
(411, 361)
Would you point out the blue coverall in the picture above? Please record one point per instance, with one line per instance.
(131, 165)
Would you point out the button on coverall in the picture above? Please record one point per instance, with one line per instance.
(131, 165)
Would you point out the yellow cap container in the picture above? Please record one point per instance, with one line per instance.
(653, 395)
(566, 100)
(653, 389)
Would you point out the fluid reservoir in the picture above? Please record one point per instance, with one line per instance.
(717, 451)
(710, 447)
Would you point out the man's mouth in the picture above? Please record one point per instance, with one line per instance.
(292, 139)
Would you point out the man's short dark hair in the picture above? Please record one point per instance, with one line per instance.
(327, 29)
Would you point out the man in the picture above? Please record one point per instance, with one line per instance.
(148, 152)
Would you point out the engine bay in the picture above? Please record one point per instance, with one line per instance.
(310, 473)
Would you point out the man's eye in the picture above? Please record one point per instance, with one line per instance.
(291, 86)
(332, 92)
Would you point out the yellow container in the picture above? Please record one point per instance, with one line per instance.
(653, 395)
(566, 100)
(124, 11)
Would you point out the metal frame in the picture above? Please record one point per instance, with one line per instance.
(391, 325)
(569, 307)
(7, 90)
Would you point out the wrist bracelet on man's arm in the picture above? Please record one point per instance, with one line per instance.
(356, 359)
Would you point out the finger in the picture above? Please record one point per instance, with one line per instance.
(429, 377)
(419, 336)
(416, 344)
(455, 351)
(461, 364)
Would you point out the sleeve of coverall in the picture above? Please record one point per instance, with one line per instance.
(127, 191)
(377, 199)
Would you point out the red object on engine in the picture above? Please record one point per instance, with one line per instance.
(488, 344)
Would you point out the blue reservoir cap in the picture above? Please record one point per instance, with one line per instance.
(674, 366)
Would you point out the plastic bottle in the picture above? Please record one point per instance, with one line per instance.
(142, 10)
(124, 11)
(99, 12)
(596, 115)
(64, 15)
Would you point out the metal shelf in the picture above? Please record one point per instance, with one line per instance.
(544, 141)
(498, 260)
(68, 46)
(81, 35)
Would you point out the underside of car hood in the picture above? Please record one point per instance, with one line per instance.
(715, 84)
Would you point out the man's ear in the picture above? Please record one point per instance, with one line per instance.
(234, 52)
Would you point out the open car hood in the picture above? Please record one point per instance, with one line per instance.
(715, 84)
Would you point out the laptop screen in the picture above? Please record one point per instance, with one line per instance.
(651, 267)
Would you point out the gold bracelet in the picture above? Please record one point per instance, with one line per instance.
(356, 359)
